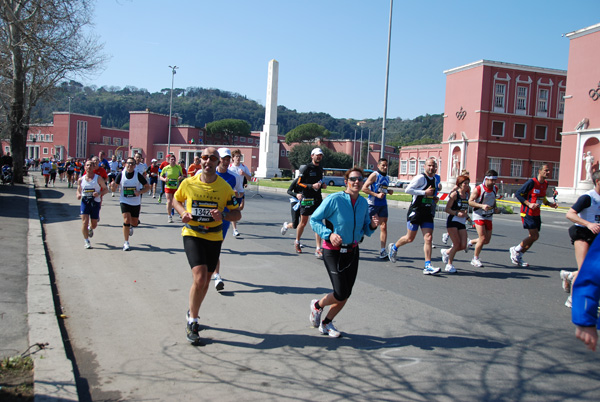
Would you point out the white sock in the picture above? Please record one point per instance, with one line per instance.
(518, 248)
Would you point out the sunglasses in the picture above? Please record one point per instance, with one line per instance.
(130, 163)
(211, 157)
(355, 178)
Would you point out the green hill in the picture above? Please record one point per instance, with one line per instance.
(199, 106)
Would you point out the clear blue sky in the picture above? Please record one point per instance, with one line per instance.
(331, 53)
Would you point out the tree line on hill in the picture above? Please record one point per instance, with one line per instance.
(199, 107)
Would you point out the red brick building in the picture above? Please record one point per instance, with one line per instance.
(505, 117)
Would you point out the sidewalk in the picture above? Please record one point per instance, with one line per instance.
(28, 315)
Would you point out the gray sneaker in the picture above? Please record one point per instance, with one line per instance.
(392, 251)
(284, 228)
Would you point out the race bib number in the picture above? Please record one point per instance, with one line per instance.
(427, 200)
(88, 192)
(463, 204)
(129, 191)
(383, 189)
(201, 210)
(308, 202)
(172, 182)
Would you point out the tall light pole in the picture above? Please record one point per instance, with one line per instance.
(387, 77)
(69, 130)
(173, 68)
(354, 149)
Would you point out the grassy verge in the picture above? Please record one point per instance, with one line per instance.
(16, 379)
(397, 196)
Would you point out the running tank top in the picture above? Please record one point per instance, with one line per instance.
(379, 186)
(90, 187)
(591, 213)
(460, 204)
(129, 186)
(487, 197)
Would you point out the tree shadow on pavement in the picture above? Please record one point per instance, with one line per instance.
(356, 341)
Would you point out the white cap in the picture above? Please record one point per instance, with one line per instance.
(153, 160)
(316, 151)
(223, 152)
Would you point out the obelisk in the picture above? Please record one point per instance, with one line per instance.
(268, 156)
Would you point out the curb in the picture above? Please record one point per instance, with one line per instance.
(53, 375)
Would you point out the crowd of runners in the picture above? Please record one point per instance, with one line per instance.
(208, 197)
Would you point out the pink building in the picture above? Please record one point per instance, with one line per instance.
(412, 159)
(74, 135)
(505, 117)
(581, 133)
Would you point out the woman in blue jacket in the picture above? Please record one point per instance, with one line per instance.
(341, 221)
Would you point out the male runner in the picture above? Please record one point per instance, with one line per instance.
(140, 166)
(532, 196)
(483, 201)
(90, 189)
(164, 164)
(234, 181)
(243, 172)
(46, 168)
(376, 187)
(171, 175)
(585, 214)
(424, 189)
(133, 185)
(205, 196)
(152, 172)
(191, 170)
(114, 167)
(311, 183)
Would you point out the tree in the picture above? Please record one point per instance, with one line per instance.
(300, 155)
(42, 42)
(306, 133)
(229, 128)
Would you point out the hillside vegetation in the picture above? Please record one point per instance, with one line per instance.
(199, 106)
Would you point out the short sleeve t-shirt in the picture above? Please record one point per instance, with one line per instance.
(200, 198)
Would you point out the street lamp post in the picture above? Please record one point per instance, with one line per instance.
(69, 130)
(387, 77)
(173, 68)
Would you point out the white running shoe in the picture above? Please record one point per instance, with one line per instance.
(90, 232)
(469, 246)
(383, 254)
(236, 233)
(126, 246)
(392, 251)
(445, 238)
(315, 315)
(450, 269)
(284, 228)
(445, 257)
(566, 278)
(113, 194)
(330, 330)
(514, 256)
(219, 284)
(569, 302)
(130, 230)
(170, 220)
(476, 262)
(87, 244)
(430, 270)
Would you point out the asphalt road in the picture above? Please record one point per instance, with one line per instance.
(498, 333)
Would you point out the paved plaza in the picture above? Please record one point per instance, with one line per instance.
(497, 333)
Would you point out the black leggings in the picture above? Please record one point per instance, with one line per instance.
(342, 269)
